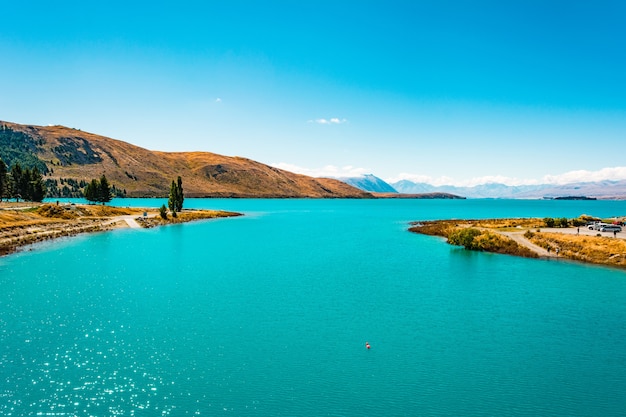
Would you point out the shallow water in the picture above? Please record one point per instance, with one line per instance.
(268, 314)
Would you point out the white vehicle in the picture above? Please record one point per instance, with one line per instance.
(598, 226)
(611, 228)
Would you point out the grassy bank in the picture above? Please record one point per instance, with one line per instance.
(602, 250)
(22, 224)
(530, 238)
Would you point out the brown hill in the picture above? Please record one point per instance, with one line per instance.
(78, 155)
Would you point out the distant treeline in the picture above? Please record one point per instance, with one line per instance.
(72, 188)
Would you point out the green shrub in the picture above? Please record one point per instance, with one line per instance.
(465, 238)
(549, 221)
(163, 212)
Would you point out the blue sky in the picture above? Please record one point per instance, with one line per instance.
(441, 91)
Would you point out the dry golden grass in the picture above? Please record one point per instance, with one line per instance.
(184, 217)
(20, 218)
(497, 243)
(444, 227)
(594, 249)
(107, 211)
(507, 224)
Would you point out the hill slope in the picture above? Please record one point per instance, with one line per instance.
(74, 154)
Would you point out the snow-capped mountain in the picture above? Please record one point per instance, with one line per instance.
(369, 183)
(602, 189)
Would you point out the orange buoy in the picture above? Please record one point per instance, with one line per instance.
(367, 345)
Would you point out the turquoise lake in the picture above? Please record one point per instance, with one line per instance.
(268, 315)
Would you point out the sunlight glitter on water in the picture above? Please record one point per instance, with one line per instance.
(268, 315)
(94, 388)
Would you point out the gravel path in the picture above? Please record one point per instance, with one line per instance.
(543, 253)
(520, 239)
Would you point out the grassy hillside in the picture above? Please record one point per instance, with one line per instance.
(72, 156)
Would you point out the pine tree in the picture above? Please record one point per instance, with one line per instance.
(91, 191)
(104, 191)
(179, 195)
(3, 180)
(176, 198)
(171, 201)
(36, 186)
(17, 181)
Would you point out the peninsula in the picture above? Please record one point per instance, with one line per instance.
(22, 224)
(533, 238)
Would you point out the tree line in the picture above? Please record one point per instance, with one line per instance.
(28, 184)
(98, 191)
(21, 183)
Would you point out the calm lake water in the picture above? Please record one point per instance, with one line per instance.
(268, 315)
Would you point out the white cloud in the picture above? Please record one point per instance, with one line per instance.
(327, 171)
(331, 121)
(613, 174)
(218, 100)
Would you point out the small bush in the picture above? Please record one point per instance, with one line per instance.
(163, 212)
(549, 221)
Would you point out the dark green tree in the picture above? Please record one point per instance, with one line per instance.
(98, 191)
(91, 191)
(176, 198)
(23, 183)
(3, 180)
(104, 192)
(36, 188)
(179, 195)
(19, 182)
(163, 212)
(171, 201)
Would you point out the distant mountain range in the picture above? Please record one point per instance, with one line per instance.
(599, 190)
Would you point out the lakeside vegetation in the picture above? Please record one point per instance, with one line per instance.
(532, 238)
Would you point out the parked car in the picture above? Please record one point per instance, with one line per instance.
(611, 228)
(597, 226)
